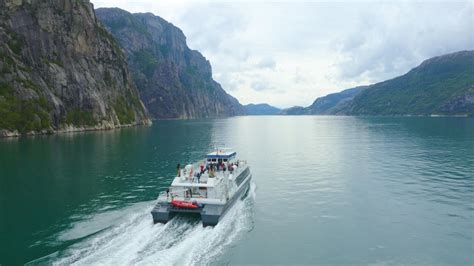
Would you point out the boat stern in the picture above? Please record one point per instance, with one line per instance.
(211, 214)
(161, 213)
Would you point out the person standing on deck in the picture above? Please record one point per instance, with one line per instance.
(211, 171)
(178, 168)
(202, 169)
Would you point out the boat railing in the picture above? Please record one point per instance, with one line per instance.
(179, 193)
(163, 196)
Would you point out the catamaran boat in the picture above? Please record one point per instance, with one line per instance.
(209, 188)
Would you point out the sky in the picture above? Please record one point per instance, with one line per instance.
(289, 53)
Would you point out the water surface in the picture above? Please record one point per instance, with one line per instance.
(326, 190)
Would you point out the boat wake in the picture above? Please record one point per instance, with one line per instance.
(183, 240)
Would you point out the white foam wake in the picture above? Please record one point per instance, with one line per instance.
(136, 240)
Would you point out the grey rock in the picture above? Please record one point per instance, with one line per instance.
(174, 81)
(62, 70)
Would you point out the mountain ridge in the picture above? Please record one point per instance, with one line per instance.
(261, 109)
(439, 86)
(442, 85)
(333, 102)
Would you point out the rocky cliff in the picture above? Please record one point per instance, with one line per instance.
(60, 70)
(174, 81)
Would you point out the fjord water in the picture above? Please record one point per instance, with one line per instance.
(326, 190)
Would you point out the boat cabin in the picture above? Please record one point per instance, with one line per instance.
(220, 156)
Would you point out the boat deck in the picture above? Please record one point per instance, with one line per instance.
(205, 180)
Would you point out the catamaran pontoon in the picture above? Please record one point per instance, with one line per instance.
(209, 191)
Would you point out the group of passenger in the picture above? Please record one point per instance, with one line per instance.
(212, 168)
(220, 166)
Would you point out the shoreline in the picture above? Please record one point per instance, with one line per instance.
(342, 115)
(11, 134)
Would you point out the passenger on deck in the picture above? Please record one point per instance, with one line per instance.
(178, 167)
(202, 169)
(209, 171)
(213, 171)
(198, 175)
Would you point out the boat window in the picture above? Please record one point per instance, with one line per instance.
(225, 160)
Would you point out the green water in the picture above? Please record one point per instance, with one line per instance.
(326, 190)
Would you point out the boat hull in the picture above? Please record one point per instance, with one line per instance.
(211, 214)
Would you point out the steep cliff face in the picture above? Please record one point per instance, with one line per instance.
(60, 70)
(174, 81)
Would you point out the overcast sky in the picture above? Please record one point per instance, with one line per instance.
(289, 53)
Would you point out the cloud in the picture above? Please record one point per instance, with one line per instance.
(298, 77)
(266, 63)
(229, 81)
(261, 86)
(396, 37)
(213, 26)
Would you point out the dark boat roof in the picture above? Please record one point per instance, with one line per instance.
(221, 154)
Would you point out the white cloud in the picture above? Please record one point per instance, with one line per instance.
(287, 53)
(398, 37)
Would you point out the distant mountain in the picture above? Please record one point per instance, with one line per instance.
(173, 80)
(60, 70)
(442, 85)
(261, 109)
(334, 102)
(295, 110)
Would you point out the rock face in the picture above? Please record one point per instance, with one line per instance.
(60, 70)
(261, 109)
(442, 85)
(174, 81)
